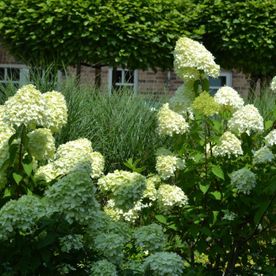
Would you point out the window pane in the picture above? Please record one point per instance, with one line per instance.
(118, 76)
(129, 76)
(218, 82)
(13, 74)
(2, 73)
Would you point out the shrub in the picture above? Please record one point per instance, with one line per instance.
(51, 222)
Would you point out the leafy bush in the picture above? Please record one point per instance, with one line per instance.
(51, 222)
(213, 188)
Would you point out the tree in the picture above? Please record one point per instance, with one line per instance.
(241, 35)
(136, 34)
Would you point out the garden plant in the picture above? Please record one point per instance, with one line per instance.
(207, 208)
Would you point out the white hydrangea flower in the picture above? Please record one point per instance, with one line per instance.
(170, 196)
(229, 145)
(270, 138)
(5, 134)
(130, 215)
(263, 155)
(166, 165)
(97, 162)
(183, 98)
(170, 122)
(227, 96)
(151, 183)
(42, 144)
(243, 180)
(228, 215)
(191, 57)
(246, 120)
(124, 187)
(56, 110)
(47, 173)
(273, 84)
(69, 156)
(26, 107)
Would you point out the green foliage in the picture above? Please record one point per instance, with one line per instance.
(150, 238)
(103, 268)
(71, 32)
(163, 264)
(241, 34)
(265, 102)
(119, 126)
(59, 228)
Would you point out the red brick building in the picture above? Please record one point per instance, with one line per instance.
(144, 82)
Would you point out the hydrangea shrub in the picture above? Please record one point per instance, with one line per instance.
(50, 217)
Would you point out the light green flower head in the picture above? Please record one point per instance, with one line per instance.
(56, 112)
(263, 155)
(183, 98)
(273, 84)
(205, 104)
(270, 138)
(170, 122)
(152, 183)
(124, 187)
(26, 107)
(69, 156)
(167, 164)
(170, 196)
(191, 58)
(229, 145)
(247, 119)
(5, 134)
(42, 144)
(243, 180)
(227, 97)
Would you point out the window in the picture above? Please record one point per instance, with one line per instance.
(225, 78)
(13, 74)
(122, 78)
(19, 74)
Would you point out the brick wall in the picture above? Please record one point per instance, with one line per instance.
(149, 81)
(6, 58)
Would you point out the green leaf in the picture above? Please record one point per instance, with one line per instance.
(215, 216)
(7, 192)
(217, 195)
(204, 188)
(217, 171)
(161, 219)
(28, 168)
(205, 85)
(260, 212)
(173, 227)
(268, 124)
(17, 178)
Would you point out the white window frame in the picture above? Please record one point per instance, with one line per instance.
(134, 84)
(23, 74)
(229, 79)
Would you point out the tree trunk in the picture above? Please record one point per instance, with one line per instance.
(98, 78)
(114, 78)
(253, 84)
(78, 72)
